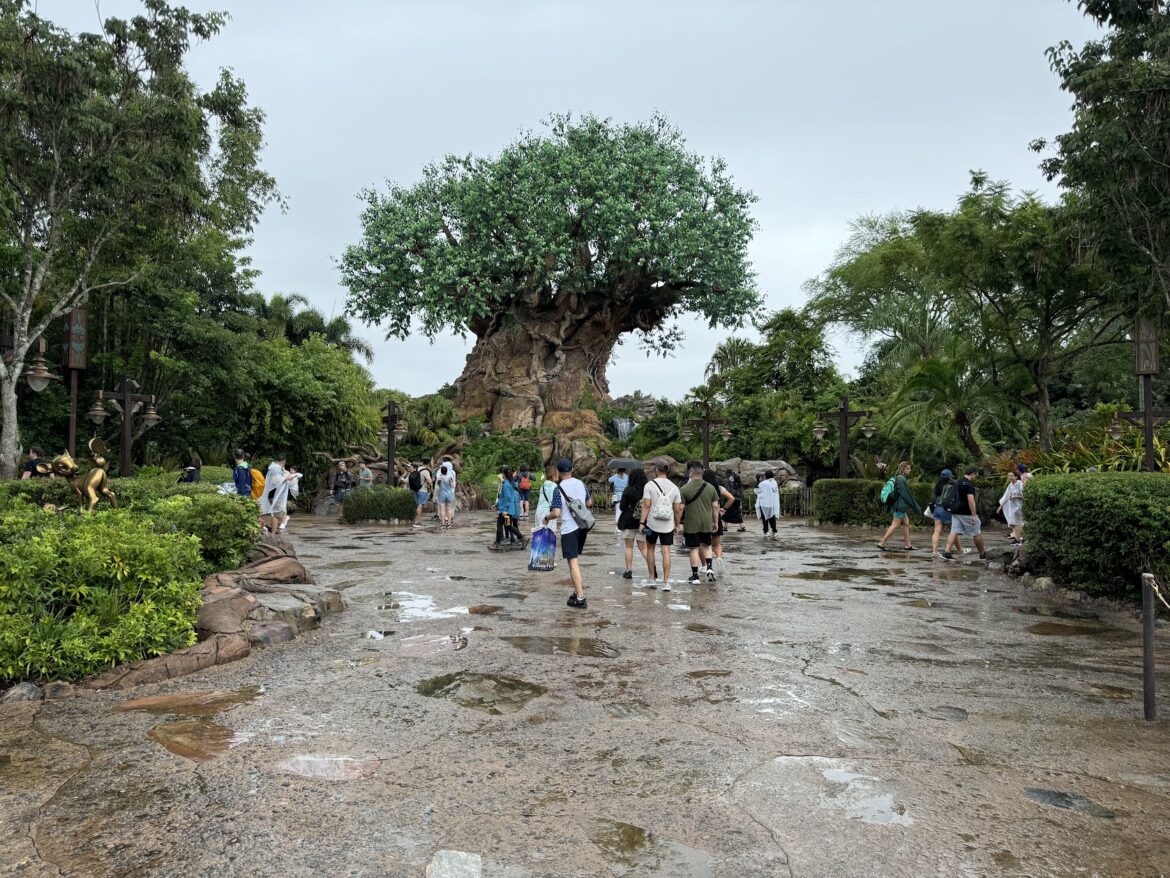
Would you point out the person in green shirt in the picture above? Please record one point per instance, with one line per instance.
(700, 513)
(901, 503)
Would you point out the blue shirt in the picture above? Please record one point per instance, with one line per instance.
(509, 500)
(619, 482)
(242, 476)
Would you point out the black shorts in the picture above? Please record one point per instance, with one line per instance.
(693, 541)
(653, 537)
(572, 544)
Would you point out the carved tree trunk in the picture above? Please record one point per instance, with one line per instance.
(524, 369)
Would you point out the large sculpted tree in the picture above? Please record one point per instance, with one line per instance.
(549, 253)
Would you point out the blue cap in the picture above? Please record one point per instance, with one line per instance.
(564, 465)
(947, 474)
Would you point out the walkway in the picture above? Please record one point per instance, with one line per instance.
(823, 711)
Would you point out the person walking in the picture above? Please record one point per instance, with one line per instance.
(726, 501)
(445, 486)
(662, 509)
(30, 468)
(572, 536)
(768, 501)
(418, 485)
(1011, 504)
(544, 494)
(242, 474)
(618, 482)
(901, 501)
(965, 523)
(700, 512)
(274, 500)
(630, 517)
(1023, 474)
(342, 485)
(734, 513)
(508, 511)
(524, 486)
(944, 493)
(365, 474)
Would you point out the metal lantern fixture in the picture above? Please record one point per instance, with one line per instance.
(383, 435)
(868, 428)
(38, 374)
(819, 430)
(97, 413)
(1115, 429)
(725, 433)
(151, 417)
(400, 431)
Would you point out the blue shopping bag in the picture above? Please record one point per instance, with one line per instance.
(543, 555)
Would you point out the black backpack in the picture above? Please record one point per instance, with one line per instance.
(414, 480)
(949, 498)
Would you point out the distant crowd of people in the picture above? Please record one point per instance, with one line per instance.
(271, 489)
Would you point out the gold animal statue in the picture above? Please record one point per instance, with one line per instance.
(90, 485)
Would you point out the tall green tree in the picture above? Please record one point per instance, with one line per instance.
(1115, 161)
(108, 153)
(550, 252)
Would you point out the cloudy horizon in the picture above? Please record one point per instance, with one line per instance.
(826, 112)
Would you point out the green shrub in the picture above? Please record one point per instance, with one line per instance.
(1099, 531)
(131, 492)
(858, 502)
(482, 458)
(82, 593)
(216, 475)
(379, 503)
(226, 525)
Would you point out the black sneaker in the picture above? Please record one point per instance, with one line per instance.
(629, 574)
(578, 603)
(694, 579)
(949, 556)
(982, 556)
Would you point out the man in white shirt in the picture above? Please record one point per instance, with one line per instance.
(658, 528)
(572, 537)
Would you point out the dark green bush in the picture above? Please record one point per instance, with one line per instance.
(379, 503)
(82, 593)
(226, 525)
(858, 502)
(482, 459)
(1099, 531)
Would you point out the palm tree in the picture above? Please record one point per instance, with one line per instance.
(290, 316)
(730, 354)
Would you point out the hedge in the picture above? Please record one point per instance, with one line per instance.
(82, 593)
(379, 503)
(1099, 531)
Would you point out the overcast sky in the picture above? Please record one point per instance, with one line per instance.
(826, 110)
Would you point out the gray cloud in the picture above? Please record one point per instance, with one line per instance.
(825, 110)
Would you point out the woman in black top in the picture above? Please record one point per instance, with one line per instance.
(734, 514)
(629, 518)
(726, 502)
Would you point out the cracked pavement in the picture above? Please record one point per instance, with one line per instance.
(824, 710)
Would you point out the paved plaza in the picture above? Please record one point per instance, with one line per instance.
(823, 710)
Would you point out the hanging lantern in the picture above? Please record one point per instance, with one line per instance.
(868, 429)
(97, 413)
(819, 430)
(151, 417)
(38, 374)
(1115, 429)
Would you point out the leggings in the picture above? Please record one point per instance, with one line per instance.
(505, 524)
(771, 521)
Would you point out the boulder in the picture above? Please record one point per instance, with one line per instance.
(268, 633)
(576, 424)
(262, 575)
(59, 689)
(747, 470)
(299, 615)
(1043, 583)
(270, 546)
(22, 692)
(223, 611)
(219, 649)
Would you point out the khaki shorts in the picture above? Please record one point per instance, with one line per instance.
(633, 535)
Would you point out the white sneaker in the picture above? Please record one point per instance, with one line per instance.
(665, 585)
(710, 575)
(419, 526)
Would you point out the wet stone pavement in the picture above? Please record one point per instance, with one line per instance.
(824, 710)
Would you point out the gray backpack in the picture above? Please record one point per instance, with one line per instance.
(578, 510)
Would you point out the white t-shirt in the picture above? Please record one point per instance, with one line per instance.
(574, 489)
(655, 488)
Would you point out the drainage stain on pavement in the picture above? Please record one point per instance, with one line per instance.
(1069, 801)
(191, 703)
(199, 740)
(581, 646)
(490, 693)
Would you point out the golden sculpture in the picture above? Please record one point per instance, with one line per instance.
(90, 485)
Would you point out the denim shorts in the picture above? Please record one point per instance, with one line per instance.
(421, 497)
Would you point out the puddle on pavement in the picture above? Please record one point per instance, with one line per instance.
(863, 737)
(509, 595)
(701, 675)
(1068, 801)
(199, 740)
(349, 583)
(418, 607)
(372, 563)
(1064, 629)
(921, 647)
(589, 647)
(1053, 613)
(920, 603)
(629, 710)
(1115, 692)
(484, 609)
(634, 851)
(961, 630)
(804, 596)
(833, 574)
(861, 588)
(329, 767)
(944, 712)
(455, 578)
(425, 645)
(862, 797)
(700, 628)
(192, 703)
(489, 693)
